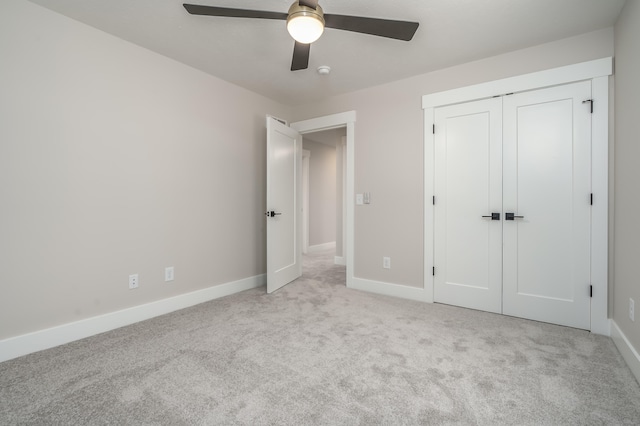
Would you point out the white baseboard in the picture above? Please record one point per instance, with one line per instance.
(388, 289)
(627, 350)
(14, 347)
(322, 247)
(339, 260)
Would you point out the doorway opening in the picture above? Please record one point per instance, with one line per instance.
(346, 122)
(324, 204)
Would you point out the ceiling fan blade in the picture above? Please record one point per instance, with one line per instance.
(196, 9)
(313, 4)
(399, 30)
(300, 59)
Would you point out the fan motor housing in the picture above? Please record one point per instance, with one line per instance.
(296, 10)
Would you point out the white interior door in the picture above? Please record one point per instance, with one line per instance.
(468, 179)
(547, 181)
(283, 215)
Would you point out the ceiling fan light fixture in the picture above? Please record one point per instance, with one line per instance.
(304, 23)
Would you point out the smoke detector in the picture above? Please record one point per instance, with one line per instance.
(324, 70)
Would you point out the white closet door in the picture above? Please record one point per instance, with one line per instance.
(547, 181)
(468, 186)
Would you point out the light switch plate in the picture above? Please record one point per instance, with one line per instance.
(386, 262)
(168, 273)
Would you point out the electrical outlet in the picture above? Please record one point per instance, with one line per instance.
(134, 281)
(386, 262)
(168, 273)
(632, 308)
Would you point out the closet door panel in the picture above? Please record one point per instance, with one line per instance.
(468, 185)
(547, 163)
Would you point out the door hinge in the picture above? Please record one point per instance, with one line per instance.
(433, 200)
(434, 129)
(591, 199)
(590, 291)
(590, 102)
(433, 271)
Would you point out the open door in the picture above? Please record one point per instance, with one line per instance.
(284, 198)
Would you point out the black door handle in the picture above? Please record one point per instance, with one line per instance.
(512, 216)
(494, 216)
(271, 213)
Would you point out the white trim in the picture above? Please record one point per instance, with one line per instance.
(339, 260)
(14, 347)
(306, 155)
(555, 76)
(600, 323)
(429, 193)
(626, 349)
(349, 250)
(597, 71)
(322, 247)
(334, 121)
(388, 289)
(343, 142)
(327, 122)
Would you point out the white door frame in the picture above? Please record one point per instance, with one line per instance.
(340, 260)
(306, 154)
(598, 71)
(348, 120)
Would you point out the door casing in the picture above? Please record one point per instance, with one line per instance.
(305, 200)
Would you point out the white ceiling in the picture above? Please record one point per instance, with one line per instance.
(256, 53)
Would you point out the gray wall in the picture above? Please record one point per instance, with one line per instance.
(389, 149)
(627, 175)
(322, 192)
(115, 160)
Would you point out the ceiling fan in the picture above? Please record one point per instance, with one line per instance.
(306, 22)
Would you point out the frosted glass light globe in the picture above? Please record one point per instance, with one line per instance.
(305, 29)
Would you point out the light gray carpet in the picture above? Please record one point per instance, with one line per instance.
(316, 352)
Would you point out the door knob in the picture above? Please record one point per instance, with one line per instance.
(494, 216)
(271, 213)
(512, 216)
